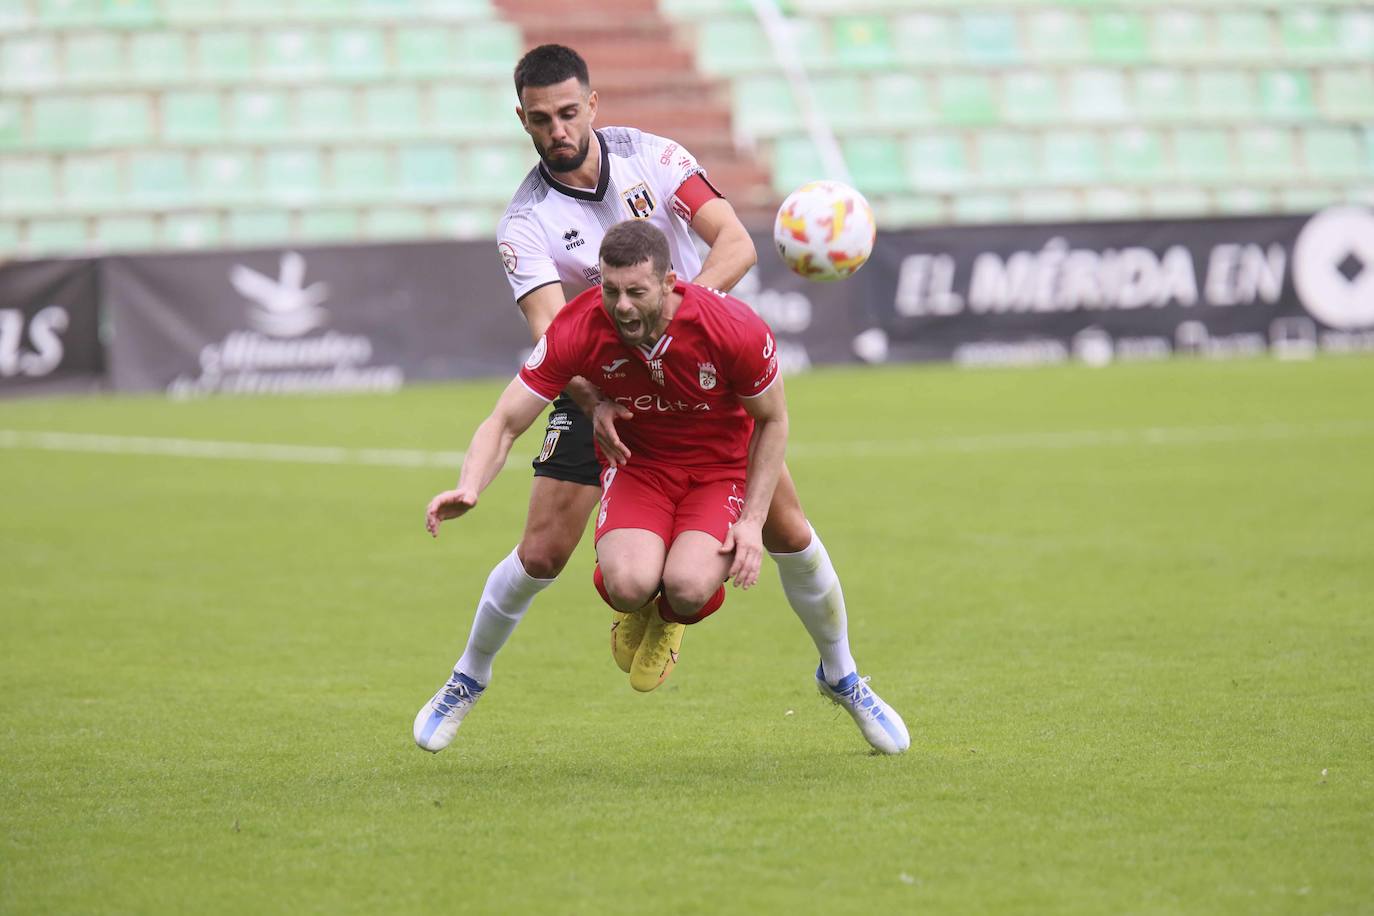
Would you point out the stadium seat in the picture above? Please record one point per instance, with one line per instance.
(1348, 94)
(424, 51)
(1111, 203)
(159, 178)
(1072, 157)
(329, 225)
(875, 164)
(983, 207)
(55, 234)
(291, 54)
(192, 117)
(130, 13)
(1057, 36)
(1309, 34)
(1243, 35)
(225, 56)
(91, 181)
(487, 49)
(967, 98)
(11, 124)
(28, 63)
(901, 100)
(1265, 152)
(862, 41)
(1162, 95)
(190, 230)
(842, 100)
(795, 162)
(391, 111)
(472, 109)
(61, 122)
(1202, 154)
(1136, 156)
(126, 233)
(325, 112)
(990, 37)
(292, 176)
(732, 46)
(1333, 153)
(161, 58)
(427, 171)
(765, 104)
(1048, 205)
(93, 59)
(9, 236)
(467, 222)
(27, 184)
(63, 14)
(493, 172)
(1285, 95)
(1225, 95)
(1118, 37)
(253, 227)
(226, 176)
(1031, 97)
(357, 53)
(1245, 201)
(923, 40)
(396, 223)
(1097, 95)
(1179, 35)
(1007, 157)
(360, 174)
(1174, 200)
(908, 210)
(1356, 34)
(260, 114)
(937, 162)
(121, 120)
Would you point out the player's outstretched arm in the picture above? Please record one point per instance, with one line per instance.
(767, 448)
(515, 410)
(732, 249)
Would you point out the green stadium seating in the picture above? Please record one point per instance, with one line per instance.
(28, 62)
(50, 235)
(61, 122)
(1304, 200)
(487, 48)
(159, 178)
(1167, 200)
(467, 222)
(356, 54)
(329, 225)
(292, 54)
(1226, 95)
(1333, 153)
(121, 120)
(11, 124)
(862, 41)
(361, 175)
(91, 181)
(260, 114)
(989, 38)
(1244, 35)
(1369, 149)
(15, 16)
(1007, 158)
(1072, 157)
(292, 176)
(130, 13)
(1245, 201)
(1179, 35)
(795, 162)
(901, 100)
(841, 98)
(1057, 35)
(1202, 154)
(1356, 34)
(1031, 97)
(258, 226)
(492, 172)
(732, 45)
(325, 112)
(9, 234)
(226, 176)
(1098, 95)
(967, 98)
(472, 109)
(391, 110)
(1348, 94)
(1309, 33)
(396, 223)
(875, 164)
(937, 162)
(1119, 37)
(1285, 95)
(765, 104)
(1265, 152)
(1048, 205)
(1162, 95)
(1136, 155)
(1111, 203)
(424, 52)
(908, 210)
(61, 14)
(93, 59)
(159, 57)
(925, 40)
(26, 184)
(126, 233)
(190, 230)
(226, 56)
(193, 117)
(983, 207)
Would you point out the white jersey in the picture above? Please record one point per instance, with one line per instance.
(552, 233)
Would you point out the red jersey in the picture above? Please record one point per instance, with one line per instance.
(685, 391)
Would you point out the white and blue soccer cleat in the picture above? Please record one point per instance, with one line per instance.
(880, 724)
(437, 722)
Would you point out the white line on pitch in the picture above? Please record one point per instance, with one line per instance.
(419, 458)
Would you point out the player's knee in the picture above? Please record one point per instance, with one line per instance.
(628, 589)
(687, 594)
(786, 530)
(543, 559)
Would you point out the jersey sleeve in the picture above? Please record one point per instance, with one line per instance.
(547, 371)
(751, 350)
(681, 179)
(524, 253)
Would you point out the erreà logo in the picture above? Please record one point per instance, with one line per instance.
(281, 307)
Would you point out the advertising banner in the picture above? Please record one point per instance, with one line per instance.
(362, 318)
(1097, 292)
(49, 330)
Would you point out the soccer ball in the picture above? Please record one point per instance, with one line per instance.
(824, 230)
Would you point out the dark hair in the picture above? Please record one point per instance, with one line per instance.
(547, 65)
(634, 242)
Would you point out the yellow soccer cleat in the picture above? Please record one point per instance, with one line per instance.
(627, 630)
(657, 653)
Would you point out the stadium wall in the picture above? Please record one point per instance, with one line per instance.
(374, 317)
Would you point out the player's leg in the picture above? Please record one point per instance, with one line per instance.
(693, 573)
(813, 589)
(564, 492)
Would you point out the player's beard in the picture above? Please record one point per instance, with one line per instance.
(566, 165)
(649, 319)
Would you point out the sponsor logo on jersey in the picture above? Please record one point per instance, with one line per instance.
(540, 350)
(667, 156)
(768, 346)
(615, 364)
(686, 162)
(640, 202)
(508, 257)
(656, 371)
(574, 239)
(768, 371)
(706, 376)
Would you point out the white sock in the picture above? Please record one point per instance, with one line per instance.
(505, 599)
(813, 590)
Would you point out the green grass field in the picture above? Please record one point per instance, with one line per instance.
(1128, 615)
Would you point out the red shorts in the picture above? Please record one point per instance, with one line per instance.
(670, 500)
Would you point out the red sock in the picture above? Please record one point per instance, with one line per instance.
(600, 584)
(665, 610)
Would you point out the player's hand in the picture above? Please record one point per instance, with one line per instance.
(745, 538)
(605, 415)
(448, 504)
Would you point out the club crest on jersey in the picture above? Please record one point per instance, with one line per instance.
(550, 443)
(706, 376)
(640, 202)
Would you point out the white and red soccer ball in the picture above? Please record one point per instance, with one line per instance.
(824, 230)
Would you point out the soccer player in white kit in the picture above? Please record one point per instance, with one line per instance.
(587, 181)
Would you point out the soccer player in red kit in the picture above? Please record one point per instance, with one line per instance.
(703, 449)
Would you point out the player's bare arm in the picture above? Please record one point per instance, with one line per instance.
(539, 307)
(767, 447)
(515, 410)
(732, 249)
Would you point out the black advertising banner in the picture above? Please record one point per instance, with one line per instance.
(364, 318)
(1008, 295)
(49, 326)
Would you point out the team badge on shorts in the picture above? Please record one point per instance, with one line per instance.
(550, 443)
(640, 202)
(706, 376)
